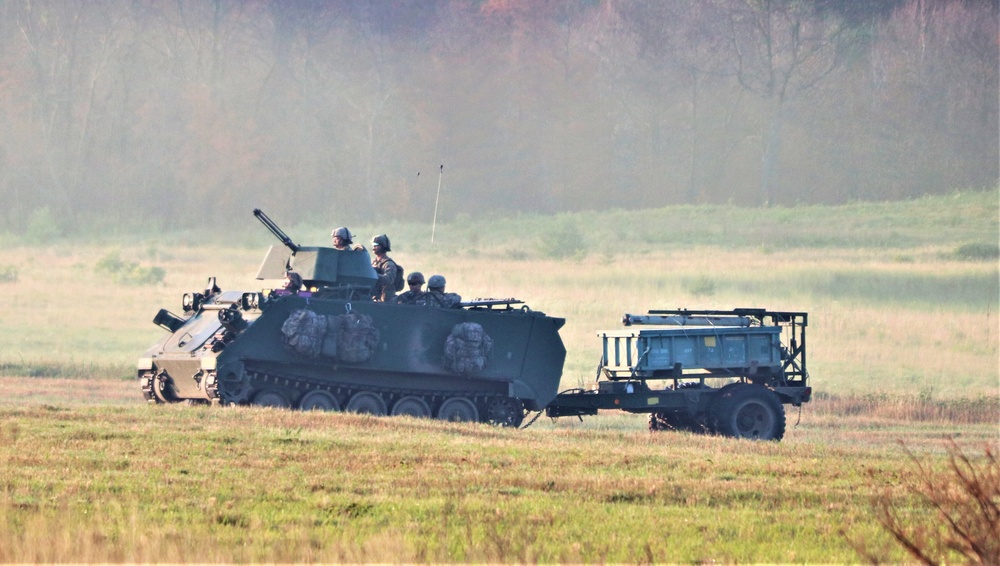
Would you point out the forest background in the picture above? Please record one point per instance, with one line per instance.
(128, 115)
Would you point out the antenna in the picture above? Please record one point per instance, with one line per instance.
(436, 200)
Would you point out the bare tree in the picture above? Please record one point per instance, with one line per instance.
(781, 49)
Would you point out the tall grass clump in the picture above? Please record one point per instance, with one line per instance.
(128, 272)
(8, 274)
(977, 252)
(910, 407)
(700, 286)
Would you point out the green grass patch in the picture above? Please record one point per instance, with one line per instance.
(128, 272)
(68, 370)
(176, 484)
(881, 287)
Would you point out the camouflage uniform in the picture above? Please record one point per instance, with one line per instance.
(435, 295)
(438, 299)
(385, 287)
(410, 297)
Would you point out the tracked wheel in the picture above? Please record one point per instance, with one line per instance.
(458, 409)
(367, 402)
(412, 406)
(318, 401)
(268, 398)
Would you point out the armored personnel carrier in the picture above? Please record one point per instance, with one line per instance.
(331, 347)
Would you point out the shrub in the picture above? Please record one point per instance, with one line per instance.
(8, 274)
(562, 239)
(701, 286)
(42, 226)
(958, 513)
(978, 252)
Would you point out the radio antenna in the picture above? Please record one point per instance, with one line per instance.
(436, 200)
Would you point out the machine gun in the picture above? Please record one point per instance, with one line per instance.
(278, 233)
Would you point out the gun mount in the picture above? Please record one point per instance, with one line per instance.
(278, 232)
(347, 273)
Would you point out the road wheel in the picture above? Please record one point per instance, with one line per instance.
(505, 411)
(368, 403)
(411, 406)
(319, 401)
(268, 398)
(458, 409)
(750, 411)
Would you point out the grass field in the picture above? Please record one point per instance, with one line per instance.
(903, 346)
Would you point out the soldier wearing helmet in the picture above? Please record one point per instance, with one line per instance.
(343, 240)
(415, 280)
(291, 286)
(385, 268)
(293, 282)
(436, 295)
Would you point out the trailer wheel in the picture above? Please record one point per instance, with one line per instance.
(673, 421)
(742, 410)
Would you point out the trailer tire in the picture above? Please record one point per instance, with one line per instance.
(678, 421)
(742, 410)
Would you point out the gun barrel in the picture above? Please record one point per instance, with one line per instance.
(278, 233)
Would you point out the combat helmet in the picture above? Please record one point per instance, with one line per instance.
(415, 277)
(343, 233)
(383, 241)
(436, 282)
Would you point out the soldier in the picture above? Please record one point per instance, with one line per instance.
(385, 287)
(293, 282)
(415, 280)
(343, 241)
(291, 286)
(436, 296)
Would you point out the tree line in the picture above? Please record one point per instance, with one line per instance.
(175, 113)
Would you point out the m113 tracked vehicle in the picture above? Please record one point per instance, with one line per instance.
(331, 347)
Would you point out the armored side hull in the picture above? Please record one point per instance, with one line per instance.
(480, 362)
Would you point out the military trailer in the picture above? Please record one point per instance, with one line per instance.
(331, 347)
(728, 372)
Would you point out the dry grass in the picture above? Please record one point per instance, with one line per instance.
(180, 484)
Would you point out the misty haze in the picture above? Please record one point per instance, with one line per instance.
(172, 114)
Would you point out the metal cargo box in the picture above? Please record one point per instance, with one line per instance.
(645, 351)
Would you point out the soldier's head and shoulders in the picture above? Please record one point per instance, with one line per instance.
(343, 240)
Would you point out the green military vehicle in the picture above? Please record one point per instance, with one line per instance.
(329, 346)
